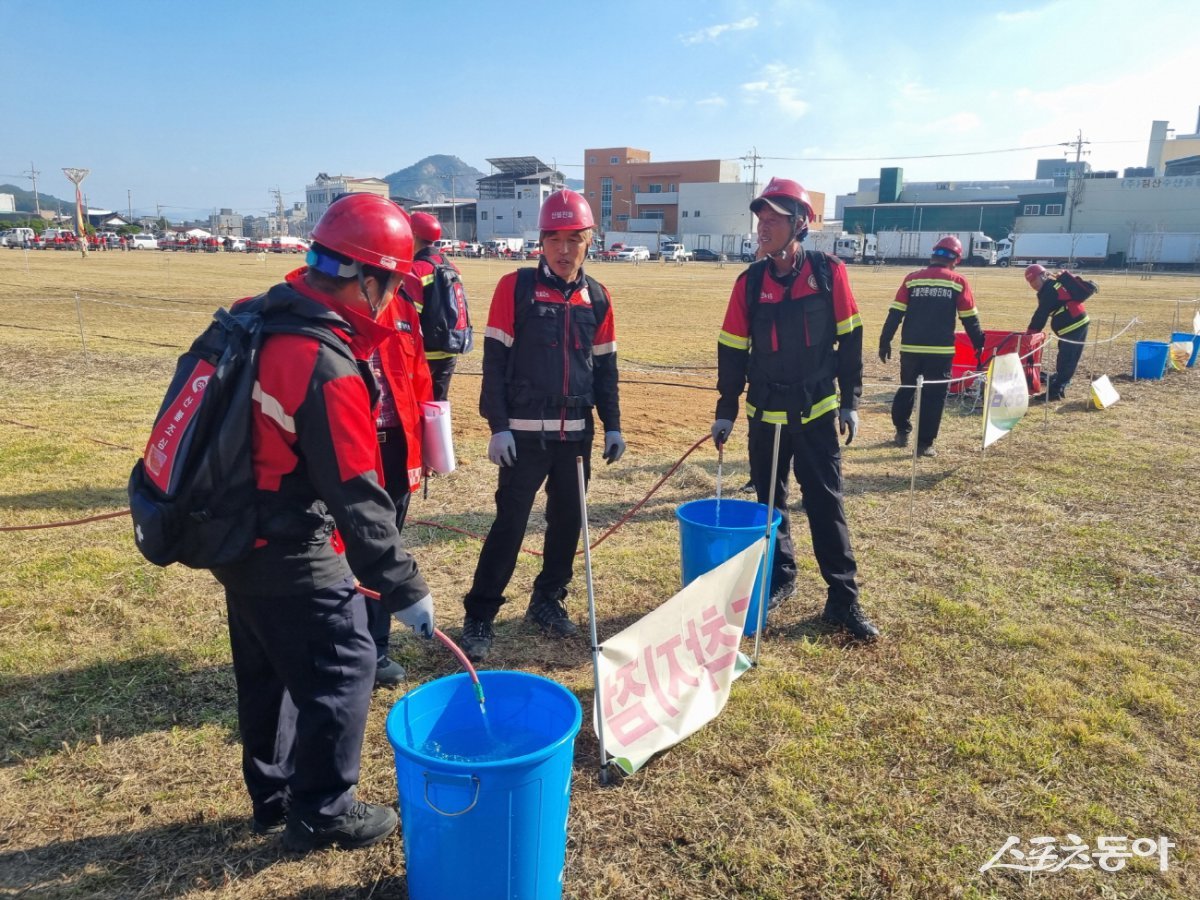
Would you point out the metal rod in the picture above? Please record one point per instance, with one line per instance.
(764, 572)
(912, 480)
(591, 596)
(79, 315)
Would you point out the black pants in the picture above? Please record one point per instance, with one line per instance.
(440, 371)
(935, 367)
(814, 455)
(393, 449)
(304, 666)
(1068, 360)
(553, 464)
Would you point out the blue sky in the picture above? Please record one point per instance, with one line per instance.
(199, 105)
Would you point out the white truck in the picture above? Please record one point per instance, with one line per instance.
(916, 246)
(673, 251)
(1164, 248)
(504, 246)
(1060, 249)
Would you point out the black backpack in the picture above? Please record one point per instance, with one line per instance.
(445, 319)
(1079, 288)
(192, 494)
(822, 270)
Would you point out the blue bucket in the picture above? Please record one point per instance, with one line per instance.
(1150, 359)
(1182, 336)
(705, 543)
(484, 804)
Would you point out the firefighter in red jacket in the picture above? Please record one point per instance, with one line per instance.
(927, 303)
(303, 659)
(404, 383)
(549, 358)
(779, 346)
(1068, 319)
(426, 230)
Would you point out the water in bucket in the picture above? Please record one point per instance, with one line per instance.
(484, 799)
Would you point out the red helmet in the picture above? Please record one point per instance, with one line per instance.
(426, 227)
(786, 197)
(1034, 275)
(948, 246)
(565, 210)
(369, 229)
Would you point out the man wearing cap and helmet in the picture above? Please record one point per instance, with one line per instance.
(303, 659)
(1068, 319)
(791, 338)
(549, 359)
(426, 259)
(927, 302)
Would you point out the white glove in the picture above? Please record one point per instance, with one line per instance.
(614, 446)
(720, 431)
(502, 449)
(848, 421)
(418, 617)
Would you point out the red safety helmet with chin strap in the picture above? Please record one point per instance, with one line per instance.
(368, 229)
(1034, 275)
(788, 198)
(426, 227)
(565, 210)
(948, 246)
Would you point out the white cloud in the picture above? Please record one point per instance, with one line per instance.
(712, 32)
(781, 85)
(1019, 16)
(713, 101)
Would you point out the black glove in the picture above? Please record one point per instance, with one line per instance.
(885, 352)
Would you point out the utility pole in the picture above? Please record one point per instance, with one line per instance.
(1075, 180)
(33, 174)
(129, 203)
(283, 230)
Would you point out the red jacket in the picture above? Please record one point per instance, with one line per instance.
(404, 367)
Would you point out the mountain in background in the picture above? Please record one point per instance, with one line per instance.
(439, 177)
(25, 204)
(435, 178)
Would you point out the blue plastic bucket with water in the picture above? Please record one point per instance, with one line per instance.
(484, 803)
(711, 533)
(1150, 359)
(1182, 336)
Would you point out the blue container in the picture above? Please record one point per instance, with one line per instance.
(484, 803)
(1188, 336)
(705, 542)
(1150, 359)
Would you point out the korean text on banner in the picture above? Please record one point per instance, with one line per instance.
(1007, 397)
(665, 676)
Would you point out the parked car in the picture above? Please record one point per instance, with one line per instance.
(703, 254)
(142, 242)
(634, 253)
(611, 252)
(16, 237)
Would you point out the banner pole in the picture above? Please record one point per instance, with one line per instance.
(598, 712)
(765, 571)
(82, 340)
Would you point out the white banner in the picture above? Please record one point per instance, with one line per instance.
(665, 676)
(1007, 397)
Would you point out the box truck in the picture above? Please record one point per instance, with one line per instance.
(1056, 249)
(1164, 248)
(917, 246)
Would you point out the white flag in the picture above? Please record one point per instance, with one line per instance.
(665, 676)
(1007, 397)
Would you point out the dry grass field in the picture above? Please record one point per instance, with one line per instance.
(1038, 676)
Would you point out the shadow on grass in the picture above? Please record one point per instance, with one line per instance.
(171, 861)
(115, 700)
(81, 499)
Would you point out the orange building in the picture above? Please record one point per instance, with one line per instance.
(629, 192)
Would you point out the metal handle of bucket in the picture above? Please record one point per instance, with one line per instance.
(461, 812)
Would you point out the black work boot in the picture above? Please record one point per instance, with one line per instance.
(477, 637)
(901, 438)
(926, 450)
(851, 618)
(362, 825)
(549, 613)
(779, 594)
